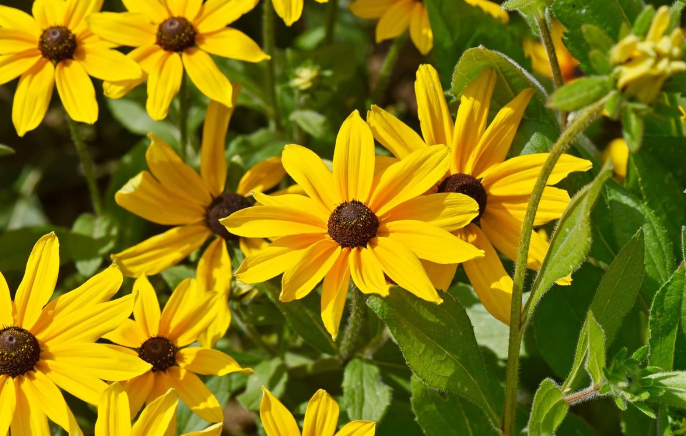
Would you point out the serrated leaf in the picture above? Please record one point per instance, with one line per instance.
(633, 129)
(673, 385)
(365, 395)
(666, 317)
(272, 374)
(581, 93)
(595, 362)
(450, 362)
(548, 410)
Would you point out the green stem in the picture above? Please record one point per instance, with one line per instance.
(87, 165)
(351, 342)
(183, 118)
(250, 330)
(547, 40)
(330, 19)
(269, 43)
(582, 395)
(567, 138)
(387, 68)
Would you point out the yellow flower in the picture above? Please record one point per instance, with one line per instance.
(535, 51)
(365, 220)
(321, 418)
(290, 10)
(618, 152)
(645, 64)
(395, 16)
(478, 168)
(162, 339)
(55, 46)
(174, 194)
(45, 345)
(173, 35)
(158, 418)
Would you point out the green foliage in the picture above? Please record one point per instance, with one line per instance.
(548, 410)
(365, 395)
(667, 320)
(581, 93)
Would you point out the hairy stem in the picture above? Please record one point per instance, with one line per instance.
(351, 342)
(567, 138)
(330, 19)
(582, 395)
(269, 47)
(87, 165)
(547, 40)
(183, 118)
(387, 68)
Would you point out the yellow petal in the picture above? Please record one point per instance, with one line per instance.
(212, 153)
(370, 8)
(164, 83)
(8, 399)
(553, 203)
(404, 268)
(146, 311)
(49, 13)
(15, 64)
(294, 201)
(472, 118)
(432, 108)
(213, 430)
(12, 18)
(107, 64)
(441, 275)
(129, 334)
(6, 317)
(113, 413)
(32, 98)
(495, 142)
(214, 273)
(262, 176)
(488, 277)
(618, 152)
(410, 178)
(395, 20)
(147, 58)
(76, 91)
(420, 29)
(206, 76)
(153, 9)
(231, 43)
(216, 14)
(334, 292)
(107, 362)
(308, 171)
(16, 41)
(272, 221)
(517, 176)
(138, 389)
(491, 8)
(358, 428)
(321, 416)
(80, 384)
(195, 394)
(158, 416)
(392, 133)
(28, 420)
(429, 242)
(146, 197)
(503, 230)
(280, 255)
(250, 246)
(158, 253)
(184, 304)
(39, 280)
(353, 159)
(206, 361)
(447, 210)
(289, 10)
(43, 394)
(184, 8)
(310, 269)
(77, 11)
(123, 28)
(367, 272)
(659, 25)
(276, 419)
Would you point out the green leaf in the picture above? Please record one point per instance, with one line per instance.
(673, 385)
(101, 227)
(365, 395)
(570, 241)
(667, 315)
(643, 21)
(135, 119)
(450, 362)
(581, 93)
(675, 15)
(271, 374)
(548, 410)
(633, 129)
(597, 38)
(445, 414)
(512, 5)
(174, 275)
(5, 150)
(618, 289)
(311, 122)
(595, 362)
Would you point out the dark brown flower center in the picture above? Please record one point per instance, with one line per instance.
(469, 186)
(19, 351)
(159, 352)
(176, 34)
(224, 206)
(57, 44)
(353, 224)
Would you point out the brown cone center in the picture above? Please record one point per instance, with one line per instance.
(159, 352)
(469, 186)
(224, 206)
(176, 34)
(57, 43)
(353, 224)
(19, 351)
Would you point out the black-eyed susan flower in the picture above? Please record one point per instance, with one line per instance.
(479, 169)
(290, 11)
(158, 418)
(162, 339)
(645, 63)
(45, 346)
(395, 16)
(363, 221)
(321, 418)
(171, 36)
(534, 50)
(55, 46)
(172, 193)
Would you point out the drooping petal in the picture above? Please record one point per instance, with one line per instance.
(251, 246)
(395, 20)
(156, 419)
(212, 152)
(441, 275)
(308, 171)
(161, 251)
(358, 428)
(44, 395)
(33, 95)
(276, 419)
(76, 91)
(28, 420)
(367, 272)
(553, 203)
(471, 120)
(492, 8)
(216, 14)
(447, 210)
(420, 29)
(289, 10)
(188, 9)
(214, 273)
(107, 362)
(123, 28)
(410, 178)
(370, 9)
(154, 10)
(146, 311)
(321, 416)
(195, 394)
(138, 389)
(334, 292)
(213, 430)
(206, 76)
(262, 176)
(16, 41)
(104, 63)
(233, 44)
(392, 133)
(39, 281)
(6, 317)
(206, 361)
(429, 242)
(12, 18)
(487, 275)
(404, 268)
(80, 384)
(310, 269)
(147, 58)
(432, 108)
(8, 399)
(272, 221)
(113, 412)
(504, 230)
(353, 159)
(164, 82)
(15, 64)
